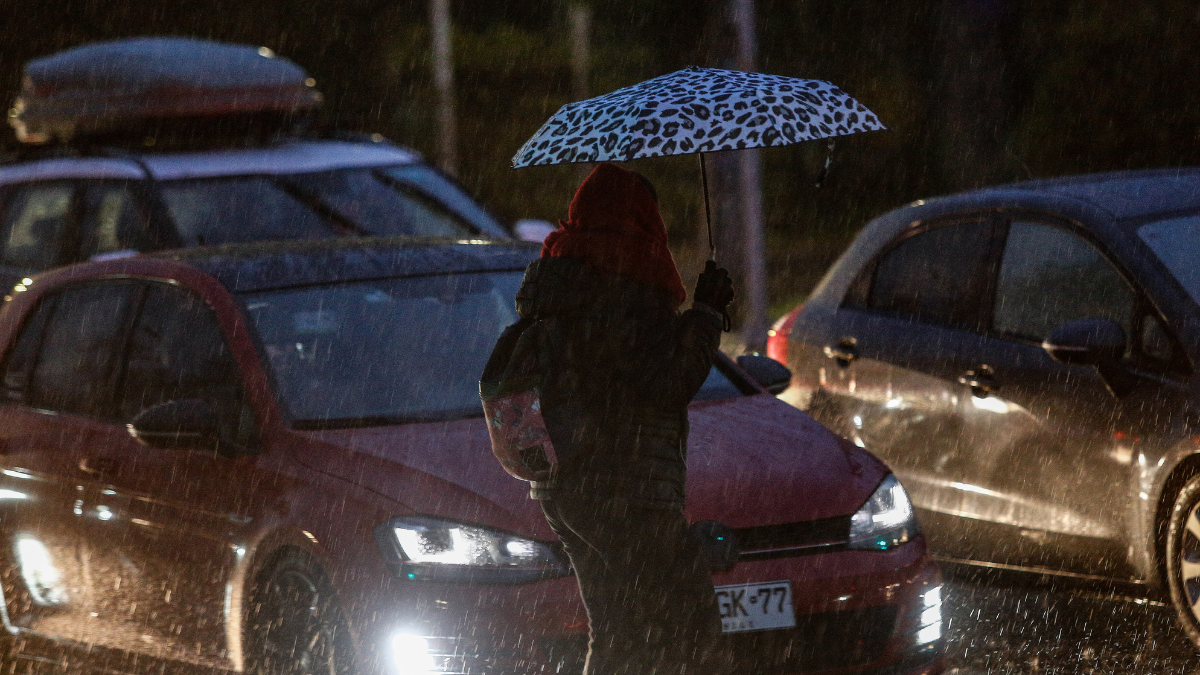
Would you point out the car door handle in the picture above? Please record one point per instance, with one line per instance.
(981, 380)
(844, 352)
(97, 466)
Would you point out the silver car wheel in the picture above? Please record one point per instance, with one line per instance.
(1189, 560)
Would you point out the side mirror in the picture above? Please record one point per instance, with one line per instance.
(771, 374)
(1093, 342)
(184, 424)
(1086, 342)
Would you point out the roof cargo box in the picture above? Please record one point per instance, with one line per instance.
(105, 87)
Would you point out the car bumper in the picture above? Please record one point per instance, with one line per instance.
(868, 612)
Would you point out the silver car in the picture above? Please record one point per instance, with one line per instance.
(64, 205)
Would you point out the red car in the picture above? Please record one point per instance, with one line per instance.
(271, 458)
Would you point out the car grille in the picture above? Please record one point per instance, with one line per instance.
(792, 539)
(818, 642)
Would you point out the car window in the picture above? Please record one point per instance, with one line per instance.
(1049, 276)
(935, 275)
(380, 206)
(113, 220)
(717, 386)
(74, 367)
(1176, 242)
(241, 209)
(1155, 342)
(427, 180)
(177, 351)
(384, 351)
(34, 224)
(19, 364)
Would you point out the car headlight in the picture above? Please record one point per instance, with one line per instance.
(432, 549)
(886, 520)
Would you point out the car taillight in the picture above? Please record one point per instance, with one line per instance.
(777, 337)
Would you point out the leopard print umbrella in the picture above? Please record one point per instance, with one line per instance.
(695, 110)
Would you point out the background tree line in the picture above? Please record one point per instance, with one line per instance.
(974, 91)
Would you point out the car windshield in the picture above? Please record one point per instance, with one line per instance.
(374, 202)
(216, 211)
(1176, 242)
(390, 351)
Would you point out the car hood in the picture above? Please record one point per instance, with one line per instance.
(751, 461)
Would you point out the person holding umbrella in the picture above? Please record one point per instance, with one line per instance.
(623, 365)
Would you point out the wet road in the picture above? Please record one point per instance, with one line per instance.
(1010, 625)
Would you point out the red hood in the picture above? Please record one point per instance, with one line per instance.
(751, 461)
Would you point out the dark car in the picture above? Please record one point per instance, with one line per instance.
(272, 458)
(1024, 357)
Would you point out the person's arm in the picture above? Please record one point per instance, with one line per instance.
(682, 362)
(688, 357)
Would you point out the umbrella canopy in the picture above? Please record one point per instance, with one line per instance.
(695, 110)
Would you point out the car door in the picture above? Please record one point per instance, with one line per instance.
(57, 383)
(894, 356)
(1053, 447)
(113, 546)
(182, 519)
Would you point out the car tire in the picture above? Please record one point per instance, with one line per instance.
(296, 626)
(1183, 559)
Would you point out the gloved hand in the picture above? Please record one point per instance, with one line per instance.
(714, 287)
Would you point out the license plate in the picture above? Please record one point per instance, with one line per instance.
(762, 606)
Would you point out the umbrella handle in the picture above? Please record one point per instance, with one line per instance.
(712, 249)
(726, 324)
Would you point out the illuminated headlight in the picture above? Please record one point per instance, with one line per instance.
(422, 548)
(931, 633)
(410, 655)
(886, 520)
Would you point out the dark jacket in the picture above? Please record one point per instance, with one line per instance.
(624, 365)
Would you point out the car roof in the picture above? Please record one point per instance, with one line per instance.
(282, 264)
(1126, 195)
(287, 157)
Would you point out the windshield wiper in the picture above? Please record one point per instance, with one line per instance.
(339, 222)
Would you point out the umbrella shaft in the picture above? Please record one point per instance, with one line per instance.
(712, 249)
